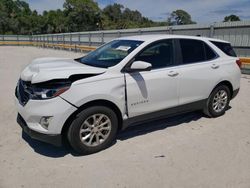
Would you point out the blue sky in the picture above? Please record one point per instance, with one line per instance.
(202, 11)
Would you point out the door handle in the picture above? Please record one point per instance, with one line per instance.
(214, 66)
(173, 73)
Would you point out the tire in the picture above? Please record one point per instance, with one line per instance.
(87, 136)
(223, 101)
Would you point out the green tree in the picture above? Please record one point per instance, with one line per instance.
(23, 17)
(117, 17)
(37, 23)
(15, 17)
(82, 15)
(53, 21)
(4, 18)
(112, 16)
(180, 17)
(231, 18)
(7, 15)
(134, 19)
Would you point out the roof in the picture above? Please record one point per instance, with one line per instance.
(150, 38)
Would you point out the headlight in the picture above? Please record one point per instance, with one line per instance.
(48, 93)
(49, 89)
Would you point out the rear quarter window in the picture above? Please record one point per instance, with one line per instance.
(225, 47)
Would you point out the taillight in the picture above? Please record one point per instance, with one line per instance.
(239, 63)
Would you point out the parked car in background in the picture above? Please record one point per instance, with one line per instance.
(128, 80)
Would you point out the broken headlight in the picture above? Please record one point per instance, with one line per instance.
(49, 89)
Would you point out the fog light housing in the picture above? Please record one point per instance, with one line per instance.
(45, 121)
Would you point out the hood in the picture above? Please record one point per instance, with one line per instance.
(45, 69)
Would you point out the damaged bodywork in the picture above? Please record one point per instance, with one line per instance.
(45, 69)
(46, 78)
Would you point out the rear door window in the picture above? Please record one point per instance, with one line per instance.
(225, 47)
(210, 54)
(195, 51)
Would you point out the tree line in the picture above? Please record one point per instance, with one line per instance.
(16, 17)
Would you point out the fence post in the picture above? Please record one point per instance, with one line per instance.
(89, 39)
(17, 37)
(118, 34)
(170, 30)
(43, 40)
(30, 39)
(102, 38)
(63, 41)
(211, 32)
(78, 43)
(70, 41)
(52, 40)
(79, 39)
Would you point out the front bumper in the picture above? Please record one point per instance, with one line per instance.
(30, 114)
(58, 109)
(51, 139)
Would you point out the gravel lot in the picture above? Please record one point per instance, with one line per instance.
(184, 151)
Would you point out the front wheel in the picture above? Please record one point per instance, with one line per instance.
(218, 101)
(93, 130)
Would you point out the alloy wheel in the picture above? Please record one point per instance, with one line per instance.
(95, 130)
(220, 101)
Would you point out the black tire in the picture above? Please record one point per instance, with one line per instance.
(209, 110)
(75, 127)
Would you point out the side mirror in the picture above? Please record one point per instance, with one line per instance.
(140, 66)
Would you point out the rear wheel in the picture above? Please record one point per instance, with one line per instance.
(218, 101)
(93, 130)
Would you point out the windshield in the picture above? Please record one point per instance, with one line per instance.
(110, 54)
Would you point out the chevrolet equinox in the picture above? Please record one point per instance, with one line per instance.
(86, 101)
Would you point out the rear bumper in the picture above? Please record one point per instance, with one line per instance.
(235, 93)
(55, 140)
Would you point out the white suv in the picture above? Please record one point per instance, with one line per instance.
(88, 100)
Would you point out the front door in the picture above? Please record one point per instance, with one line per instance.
(154, 90)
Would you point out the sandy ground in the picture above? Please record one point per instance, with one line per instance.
(185, 151)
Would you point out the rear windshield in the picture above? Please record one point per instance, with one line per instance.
(225, 47)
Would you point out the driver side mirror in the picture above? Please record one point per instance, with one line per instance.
(140, 66)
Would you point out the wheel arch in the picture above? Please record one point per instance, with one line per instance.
(100, 102)
(226, 83)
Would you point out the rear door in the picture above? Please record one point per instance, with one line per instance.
(199, 70)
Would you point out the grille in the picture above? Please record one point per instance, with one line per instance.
(23, 92)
